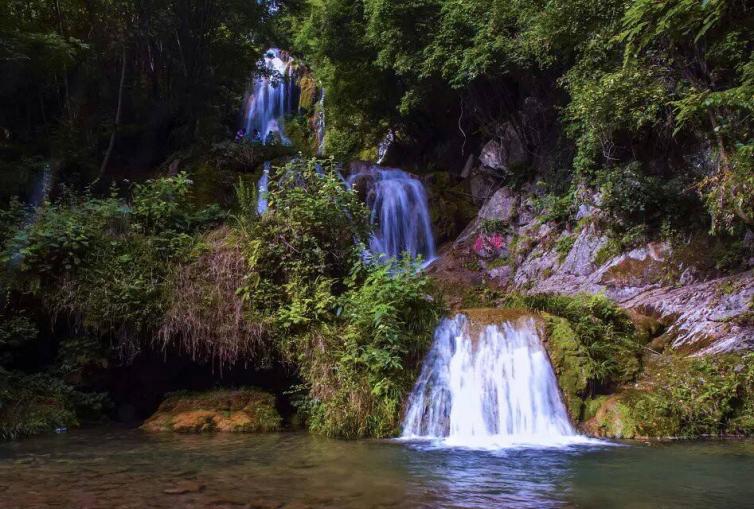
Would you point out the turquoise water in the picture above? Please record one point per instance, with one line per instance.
(129, 469)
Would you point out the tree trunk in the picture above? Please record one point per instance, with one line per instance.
(117, 113)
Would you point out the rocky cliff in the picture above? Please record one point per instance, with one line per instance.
(511, 245)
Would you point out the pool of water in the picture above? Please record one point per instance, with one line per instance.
(129, 468)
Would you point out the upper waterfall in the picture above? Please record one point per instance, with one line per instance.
(400, 212)
(271, 98)
(491, 387)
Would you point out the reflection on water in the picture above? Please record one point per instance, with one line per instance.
(127, 468)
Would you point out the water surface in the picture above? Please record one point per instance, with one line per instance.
(129, 468)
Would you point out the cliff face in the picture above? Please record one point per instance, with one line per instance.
(507, 246)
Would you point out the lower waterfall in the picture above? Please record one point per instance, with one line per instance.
(493, 390)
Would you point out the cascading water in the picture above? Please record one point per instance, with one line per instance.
(399, 211)
(320, 124)
(384, 146)
(271, 98)
(492, 391)
(262, 188)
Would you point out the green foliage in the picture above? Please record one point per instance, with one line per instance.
(603, 330)
(304, 245)
(16, 331)
(557, 208)
(102, 261)
(564, 245)
(490, 226)
(365, 363)
(37, 403)
(185, 66)
(354, 330)
(667, 85)
(692, 397)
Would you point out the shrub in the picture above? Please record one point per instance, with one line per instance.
(691, 397)
(361, 367)
(605, 332)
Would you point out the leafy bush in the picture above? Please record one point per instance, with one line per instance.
(691, 397)
(37, 403)
(605, 332)
(102, 261)
(305, 245)
(361, 366)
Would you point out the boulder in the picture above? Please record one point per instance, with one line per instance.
(504, 152)
(482, 184)
(580, 259)
(242, 410)
(502, 206)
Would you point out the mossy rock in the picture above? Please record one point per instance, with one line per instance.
(242, 410)
(570, 362)
(613, 418)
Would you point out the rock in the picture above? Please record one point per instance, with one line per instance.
(242, 410)
(505, 152)
(580, 259)
(502, 206)
(641, 267)
(501, 275)
(482, 185)
(492, 156)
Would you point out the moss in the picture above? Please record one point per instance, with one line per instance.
(608, 251)
(680, 397)
(592, 406)
(613, 418)
(564, 245)
(570, 362)
(242, 410)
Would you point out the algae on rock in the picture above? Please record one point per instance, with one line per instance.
(241, 410)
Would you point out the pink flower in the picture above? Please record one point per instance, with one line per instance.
(479, 244)
(496, 240)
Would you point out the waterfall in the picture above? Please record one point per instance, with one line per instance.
(320, 124)
(400, 212)
(262, 188)
(384, 146)
(493, 390)
(270, 100)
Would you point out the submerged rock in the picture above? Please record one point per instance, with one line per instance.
(242, 410)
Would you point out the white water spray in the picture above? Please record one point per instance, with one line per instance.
(492, 391)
